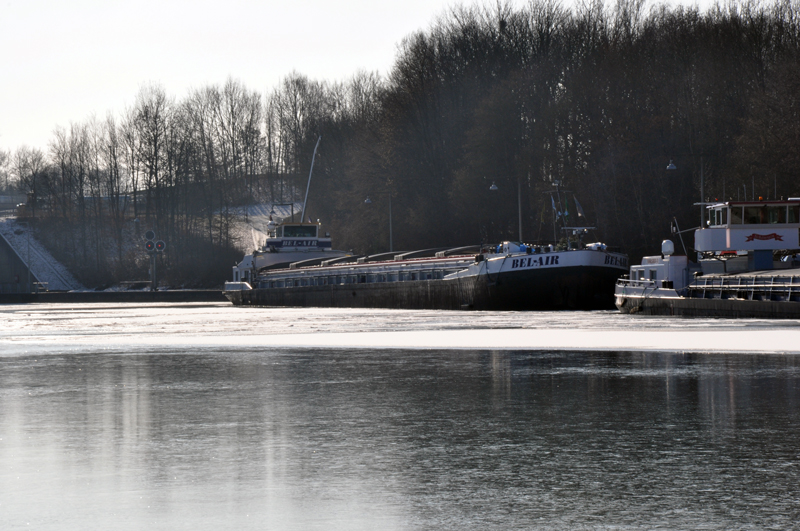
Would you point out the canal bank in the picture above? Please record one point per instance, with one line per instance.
(113, 296)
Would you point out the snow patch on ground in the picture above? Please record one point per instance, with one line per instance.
(250, 225)
(42, 264)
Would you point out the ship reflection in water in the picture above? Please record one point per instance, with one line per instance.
(398, 439)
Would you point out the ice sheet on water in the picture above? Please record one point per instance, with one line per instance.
(143, 327)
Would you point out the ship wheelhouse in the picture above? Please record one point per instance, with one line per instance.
(753, 228)
(295, 236)
(772, 213)
(294, 230)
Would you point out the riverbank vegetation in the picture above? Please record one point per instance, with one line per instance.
(600, 97)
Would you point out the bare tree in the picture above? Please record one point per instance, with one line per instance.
(5, 173)
(28, 165)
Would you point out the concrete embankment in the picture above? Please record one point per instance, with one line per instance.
(114, 296)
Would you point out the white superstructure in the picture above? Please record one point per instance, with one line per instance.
(737, 237)
(286, 243)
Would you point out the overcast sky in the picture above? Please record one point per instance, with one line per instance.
(64, 60)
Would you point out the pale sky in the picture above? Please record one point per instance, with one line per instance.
(63, 60)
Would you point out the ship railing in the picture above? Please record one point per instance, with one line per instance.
(761, 287)
(342, 278)
(639, 283)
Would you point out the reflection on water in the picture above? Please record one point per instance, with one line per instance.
(399, 440)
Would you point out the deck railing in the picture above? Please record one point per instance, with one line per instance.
(755, 287)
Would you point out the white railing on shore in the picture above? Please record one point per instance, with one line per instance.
(22, 287)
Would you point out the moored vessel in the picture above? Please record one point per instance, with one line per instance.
(510, 276)
(746, 267)
(567, 275)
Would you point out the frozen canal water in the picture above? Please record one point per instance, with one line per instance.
(212, 417)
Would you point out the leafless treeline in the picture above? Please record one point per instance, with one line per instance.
(181, 168)
(600, 97)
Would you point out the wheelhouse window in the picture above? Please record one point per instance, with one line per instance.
(300, 231)
(736, 215)
(755, 215)
(793, 214)
(776, 214)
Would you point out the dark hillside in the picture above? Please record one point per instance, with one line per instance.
(599, 98)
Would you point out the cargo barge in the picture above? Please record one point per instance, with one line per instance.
(569, 275)
(511, 276)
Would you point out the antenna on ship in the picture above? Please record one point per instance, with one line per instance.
(558, 211)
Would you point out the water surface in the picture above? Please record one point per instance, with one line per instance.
(275, 438)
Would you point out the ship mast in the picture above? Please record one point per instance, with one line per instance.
(303, 215)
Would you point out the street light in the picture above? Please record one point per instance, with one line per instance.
(672, 167)
(368, 201)
(494, 188)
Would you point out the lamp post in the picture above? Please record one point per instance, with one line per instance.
(368, 201)
(494, 188)
(671, 167)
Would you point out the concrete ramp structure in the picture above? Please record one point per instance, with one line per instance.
(20, 252)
